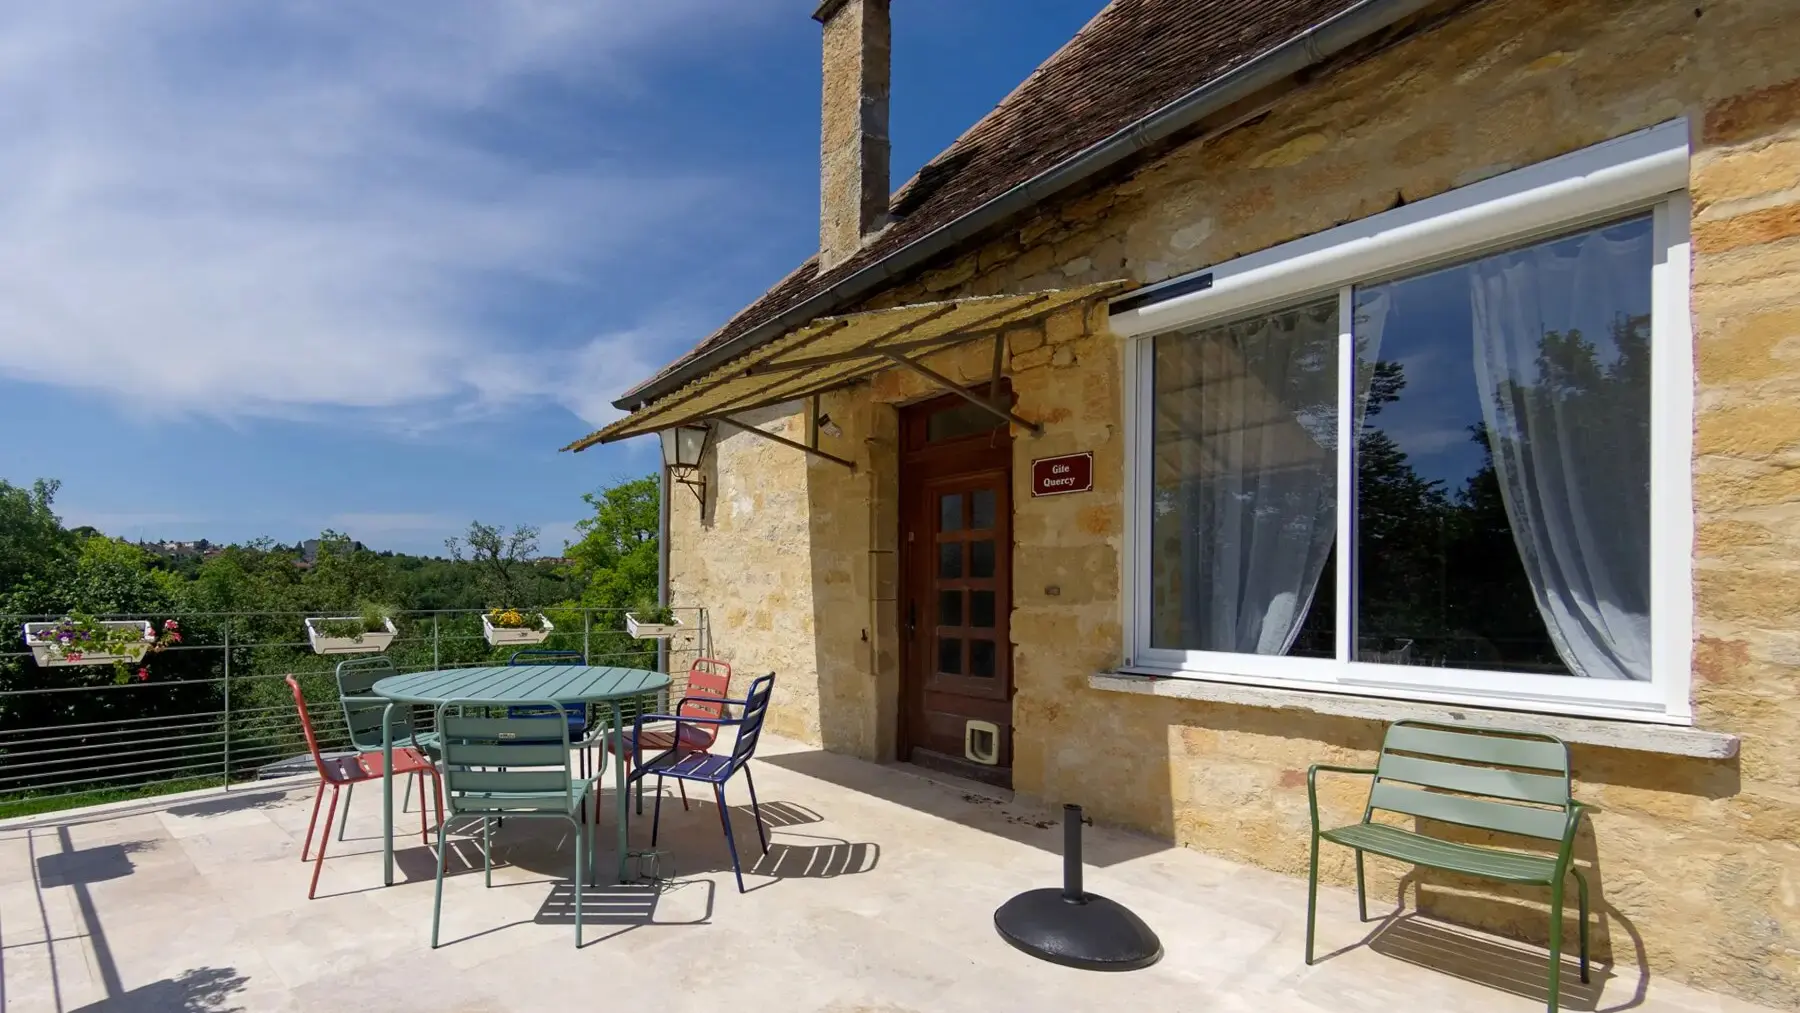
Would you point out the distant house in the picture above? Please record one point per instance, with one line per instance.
(1258, 373)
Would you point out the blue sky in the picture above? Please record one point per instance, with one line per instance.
(270, 268)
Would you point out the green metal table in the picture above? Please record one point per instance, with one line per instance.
(504, 685)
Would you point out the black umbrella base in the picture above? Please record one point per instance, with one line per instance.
(1094, 934)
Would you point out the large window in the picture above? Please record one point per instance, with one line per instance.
(1438, 480)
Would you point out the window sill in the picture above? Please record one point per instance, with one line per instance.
(1670, 740)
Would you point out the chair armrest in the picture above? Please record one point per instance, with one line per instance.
(1566, 853)
(637, 731)
(1312, 787)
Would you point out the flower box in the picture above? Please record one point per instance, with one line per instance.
(365, 643)
(51, 655)
(652, 631)
(501, 636)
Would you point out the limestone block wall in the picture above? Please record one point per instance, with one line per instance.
(1697, 862)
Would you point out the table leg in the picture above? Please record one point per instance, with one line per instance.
(624, 799)
(387, 794)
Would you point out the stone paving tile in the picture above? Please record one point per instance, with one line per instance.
(876, 896)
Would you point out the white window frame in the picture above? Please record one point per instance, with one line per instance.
(1643, 171)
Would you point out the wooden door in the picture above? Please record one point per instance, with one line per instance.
(956, 593)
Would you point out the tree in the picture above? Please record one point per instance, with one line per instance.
(500, 558)
(617, 554)
(32, 539)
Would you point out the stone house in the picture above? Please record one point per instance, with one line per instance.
(1258, 373)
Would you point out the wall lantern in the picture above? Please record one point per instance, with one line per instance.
(683, 447)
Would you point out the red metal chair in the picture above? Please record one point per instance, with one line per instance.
(708, 688)
(346, 769)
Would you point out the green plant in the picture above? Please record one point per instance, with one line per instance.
(513, 619)
(78, 635)
(372, 619)
(660, 615)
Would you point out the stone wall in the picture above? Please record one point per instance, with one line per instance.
(1696, 862)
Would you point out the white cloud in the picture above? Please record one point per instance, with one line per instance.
(282, 209)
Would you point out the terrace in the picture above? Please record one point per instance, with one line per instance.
(877, 894)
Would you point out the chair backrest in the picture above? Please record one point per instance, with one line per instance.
(1513, 782)
(707, 678)
(544, 656)
(750, 723)
(356, 681)
(312, 739)
(474, 746)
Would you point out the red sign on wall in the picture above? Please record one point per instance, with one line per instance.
(1053, 476)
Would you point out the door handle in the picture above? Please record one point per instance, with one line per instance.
(912, 618)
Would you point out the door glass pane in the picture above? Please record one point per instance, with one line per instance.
(1244, 483)
(950, 512)
(950, 560)
(963, 419)
(1503, 461)
(950, 608)
(985, 500)
(981, 559)
(981, 658)
(981, 609)
(950, 655)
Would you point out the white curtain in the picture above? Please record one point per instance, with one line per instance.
(1249, 424)
(1562, 366)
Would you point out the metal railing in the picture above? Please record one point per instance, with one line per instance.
(215, 709)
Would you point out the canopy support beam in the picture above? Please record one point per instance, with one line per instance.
(784, 441)
(966, 394)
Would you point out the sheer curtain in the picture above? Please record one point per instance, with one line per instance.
(1562, 362)
(1246, 461)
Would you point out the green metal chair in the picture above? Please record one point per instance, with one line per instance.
(537, 783)
(1503, 781)
(356, 679)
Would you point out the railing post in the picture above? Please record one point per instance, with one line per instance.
(587, 629)
(227, 703)
(434, 644)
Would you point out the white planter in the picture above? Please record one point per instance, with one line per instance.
(368, 643)
(652, 631)
(49, 657)
(501, 636)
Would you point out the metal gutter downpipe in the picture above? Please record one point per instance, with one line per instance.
(1312, 46)
(662, 563)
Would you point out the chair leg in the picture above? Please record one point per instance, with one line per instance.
(1581, 900)
(349, 793)
(756, 810)
(730, 842)
(1362, 905)
(583, 834)
(1556, 933)
(680, 786)
(487, 851)
(424, 800)
(1312, 897)
(319, 863)
(406, 799)
(437, 899)
(318, 796)
(656, 816)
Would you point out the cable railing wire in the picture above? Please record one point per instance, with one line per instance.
(215, 710)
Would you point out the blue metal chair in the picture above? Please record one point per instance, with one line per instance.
(684, 763)
(535, 783)
(576, 710)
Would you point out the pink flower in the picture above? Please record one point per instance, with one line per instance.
(170, 624)
(174, 638)
(143, 675)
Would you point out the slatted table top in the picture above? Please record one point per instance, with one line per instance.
(522, 684)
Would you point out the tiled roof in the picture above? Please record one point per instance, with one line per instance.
(1133, 58)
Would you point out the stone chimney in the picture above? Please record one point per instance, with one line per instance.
(853, 135)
